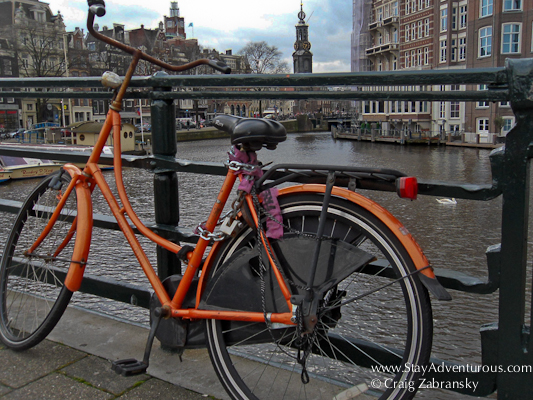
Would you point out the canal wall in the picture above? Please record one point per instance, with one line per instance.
(210, 132)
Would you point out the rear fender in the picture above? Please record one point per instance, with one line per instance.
(427, 277)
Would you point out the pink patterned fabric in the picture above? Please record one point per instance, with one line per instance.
(268, 197)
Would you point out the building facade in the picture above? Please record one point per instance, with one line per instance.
(448, 34)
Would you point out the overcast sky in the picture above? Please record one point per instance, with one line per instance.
(231, 24)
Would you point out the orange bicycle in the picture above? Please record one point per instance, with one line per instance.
(303, 291)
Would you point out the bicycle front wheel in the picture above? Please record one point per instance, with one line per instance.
(32, 295)
(375, 325)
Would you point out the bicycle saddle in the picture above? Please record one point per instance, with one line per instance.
(252, 133)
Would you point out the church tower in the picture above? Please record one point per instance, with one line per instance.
(302, 57)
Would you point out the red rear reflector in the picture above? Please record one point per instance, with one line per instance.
(407, 187)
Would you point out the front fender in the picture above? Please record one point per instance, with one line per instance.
(84, 224)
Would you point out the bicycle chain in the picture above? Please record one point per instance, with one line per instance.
(304, 342)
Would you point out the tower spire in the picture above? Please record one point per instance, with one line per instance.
(302, 57)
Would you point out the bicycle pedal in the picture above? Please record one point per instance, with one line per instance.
(129, 367)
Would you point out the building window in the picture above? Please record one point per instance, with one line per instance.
(394, 63)
(407, 7)
(39, 16)
(482, 104)
(443, 46)
(508, 123)
(379, 13)
(395, 9)
(29, 107)
(505, 104)
(486, 8)
(483, 126)
(420, 29)
(485, 41)
(454, 18)
(454, 109)
(394, 35)
(407, 60)
(426, 55)
(444, 19)
(453, 55)
(419, 57)
(512, 5)
(462, 49)
(463, 16)
(511, 38)
(442, 110)
(8, 70)
(426, 27)
(413, 31)
(407, 32)
(413, 58)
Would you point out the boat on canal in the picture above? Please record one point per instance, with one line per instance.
(61, 148)
(25, 168)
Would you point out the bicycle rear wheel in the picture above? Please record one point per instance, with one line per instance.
(32, 295)
(386, 327)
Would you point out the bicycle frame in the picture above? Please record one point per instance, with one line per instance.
(92, 176)
(85, 181)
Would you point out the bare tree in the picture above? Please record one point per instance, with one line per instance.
(40, 53)
(264, 59)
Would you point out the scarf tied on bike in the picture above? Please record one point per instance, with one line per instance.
(269, 198)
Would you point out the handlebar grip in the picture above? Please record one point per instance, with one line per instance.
(97, 7)
(220, 66)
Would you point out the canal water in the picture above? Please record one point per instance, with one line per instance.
(453, 236)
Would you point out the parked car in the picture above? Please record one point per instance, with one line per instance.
(145, 127)
(14, 135)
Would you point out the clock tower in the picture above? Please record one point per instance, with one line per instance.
(302, 57)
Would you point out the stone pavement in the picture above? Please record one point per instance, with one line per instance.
(55, 371)
(73, 363)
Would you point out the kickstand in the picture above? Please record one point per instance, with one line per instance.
(131, 366)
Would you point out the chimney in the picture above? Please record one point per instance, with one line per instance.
(229, 52)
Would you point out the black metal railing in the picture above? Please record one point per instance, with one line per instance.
(505, 343)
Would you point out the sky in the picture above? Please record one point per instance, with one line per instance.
(231, 24)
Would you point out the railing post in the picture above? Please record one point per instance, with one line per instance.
(514, 345)
(166, 196)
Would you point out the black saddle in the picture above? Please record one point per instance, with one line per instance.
(252, 133)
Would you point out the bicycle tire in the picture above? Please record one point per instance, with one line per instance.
(32, 295)
(398, 316)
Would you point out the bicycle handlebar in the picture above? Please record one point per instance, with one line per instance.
(97, 7)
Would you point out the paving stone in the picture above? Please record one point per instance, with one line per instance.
(21, 368)
(160, 390)
(4, 389)
(97, 372)
(57, 386)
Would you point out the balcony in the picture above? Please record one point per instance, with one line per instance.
(393, 20)
(374, 25)
(382, 48)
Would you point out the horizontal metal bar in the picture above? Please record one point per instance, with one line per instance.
(172, 233)
(159, 164)
(408, 78)
(481, 95)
